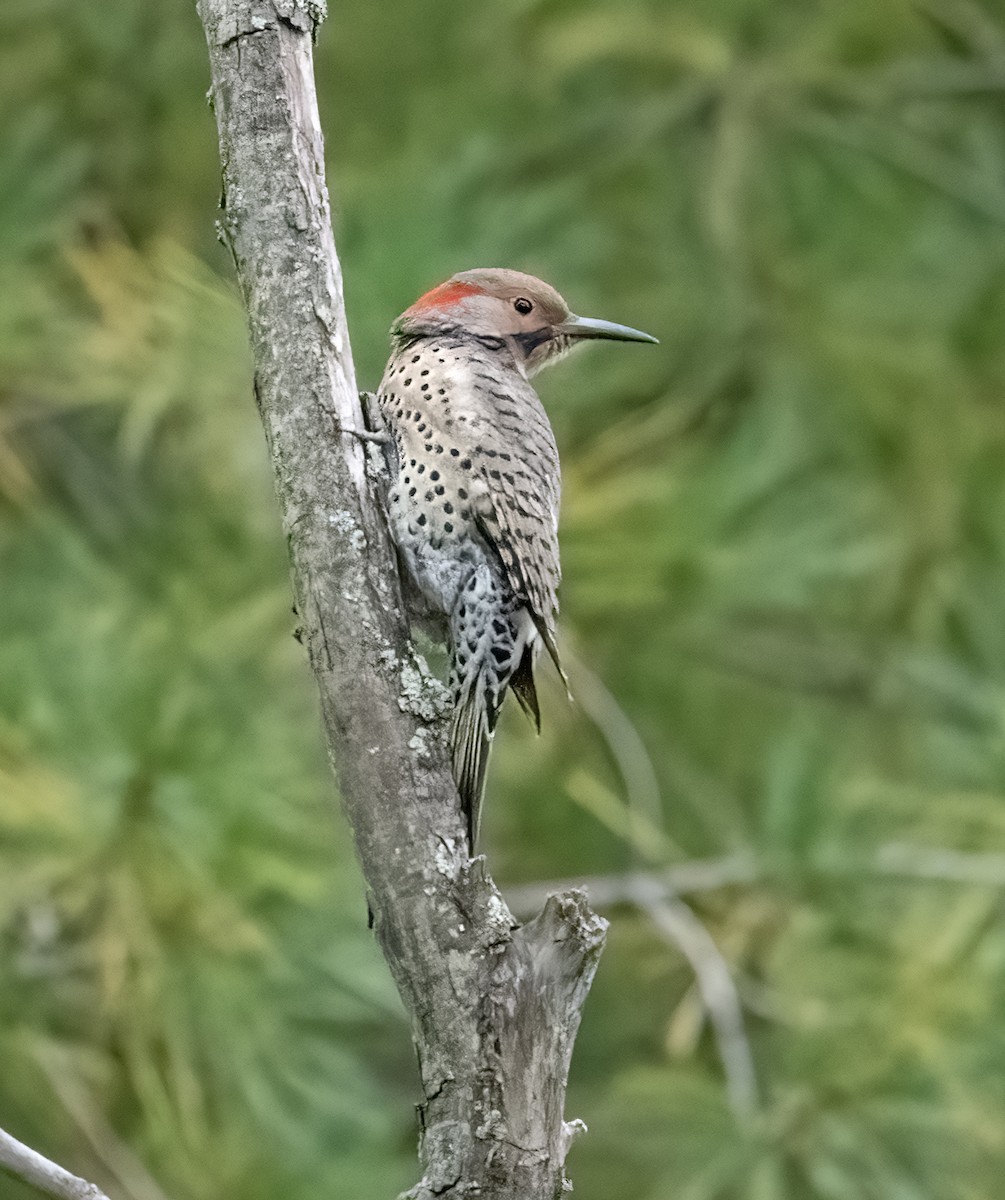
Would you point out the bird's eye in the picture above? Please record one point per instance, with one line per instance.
(522, 305)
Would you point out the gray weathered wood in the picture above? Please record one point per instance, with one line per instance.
(42, 1173)
(494, 1007)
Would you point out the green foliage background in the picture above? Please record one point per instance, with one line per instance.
(784, 547)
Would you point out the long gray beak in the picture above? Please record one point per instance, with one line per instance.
(589, 327)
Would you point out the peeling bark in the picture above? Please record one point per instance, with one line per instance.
(494, 1007)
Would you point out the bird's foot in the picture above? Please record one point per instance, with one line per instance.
(372, 416)
(366, 435)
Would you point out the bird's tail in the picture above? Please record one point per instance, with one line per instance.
(522, 685)
(470, 742)
(477, 701)
(494, 646)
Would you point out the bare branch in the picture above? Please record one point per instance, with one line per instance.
(40, 1172)
(605, 891)
(896, 860)
(678, 924)
(940, 863)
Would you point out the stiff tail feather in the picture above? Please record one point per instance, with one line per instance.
(521, 683)
(470, 743)
(549, 644)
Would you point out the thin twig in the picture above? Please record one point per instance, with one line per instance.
(677, 923)
(42, 1173)
(605, 891)
(940, 863)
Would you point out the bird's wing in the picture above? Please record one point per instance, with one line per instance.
(517, 507)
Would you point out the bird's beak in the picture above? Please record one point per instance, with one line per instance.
(589, 327)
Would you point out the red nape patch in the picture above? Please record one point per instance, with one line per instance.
(451, 292)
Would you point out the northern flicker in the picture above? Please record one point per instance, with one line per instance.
(474, 494)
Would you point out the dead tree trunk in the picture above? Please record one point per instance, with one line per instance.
(494, 1007)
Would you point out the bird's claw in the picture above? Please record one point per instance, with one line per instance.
(366, 435)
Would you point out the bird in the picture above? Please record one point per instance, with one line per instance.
(474, 487)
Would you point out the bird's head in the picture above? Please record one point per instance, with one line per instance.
(522, 312)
